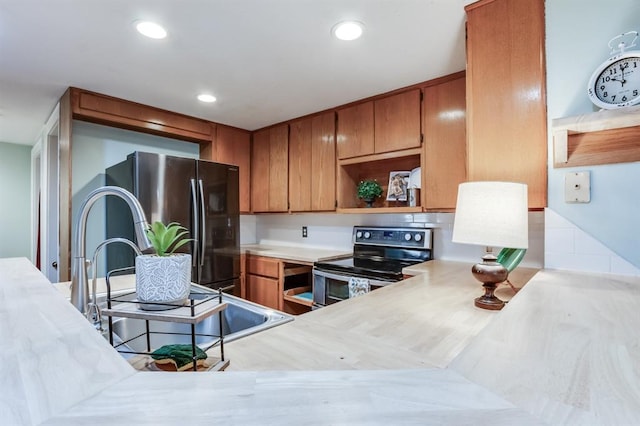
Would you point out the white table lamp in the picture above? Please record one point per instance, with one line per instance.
(492, 214)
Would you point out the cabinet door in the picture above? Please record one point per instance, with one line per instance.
(279, 168)
(264, 291)
(444, 151)
(323, 165)
(312, 164)
(355, 130)
(269, 170)
(506, 113)
(233, 146)
(300, 165)
(397, 122)
(260, 171)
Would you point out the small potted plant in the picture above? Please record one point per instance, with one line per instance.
(369, 190)
(165, 276)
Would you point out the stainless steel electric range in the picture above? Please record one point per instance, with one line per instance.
(379, 255)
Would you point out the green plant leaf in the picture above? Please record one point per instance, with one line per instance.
(162, 237)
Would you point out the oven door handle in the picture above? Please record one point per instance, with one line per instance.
(345, 278)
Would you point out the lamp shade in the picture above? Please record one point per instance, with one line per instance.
(492, 214)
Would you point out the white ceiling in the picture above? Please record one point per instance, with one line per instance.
(267, 61)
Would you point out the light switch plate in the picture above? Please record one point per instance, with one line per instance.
(577, 187)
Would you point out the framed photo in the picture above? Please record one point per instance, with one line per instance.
(398, 183)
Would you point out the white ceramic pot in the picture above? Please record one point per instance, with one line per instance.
(164, 279)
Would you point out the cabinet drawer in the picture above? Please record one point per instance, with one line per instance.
(264, 291)
(263, 266)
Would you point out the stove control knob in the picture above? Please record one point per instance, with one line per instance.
(359, 234)
(417, 237)
(367, 235)
(407, 237)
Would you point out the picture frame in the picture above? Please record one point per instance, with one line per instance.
(398, 184)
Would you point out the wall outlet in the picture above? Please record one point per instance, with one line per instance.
(577, 187)
(304, 232)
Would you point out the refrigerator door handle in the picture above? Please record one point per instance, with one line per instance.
(195, 230)
(202, 223)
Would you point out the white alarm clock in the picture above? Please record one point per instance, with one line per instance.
(616, 82)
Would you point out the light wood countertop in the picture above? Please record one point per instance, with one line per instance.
(294, 253)
(565, 350)
(424, 321)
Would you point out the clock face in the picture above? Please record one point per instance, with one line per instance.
(616, 83)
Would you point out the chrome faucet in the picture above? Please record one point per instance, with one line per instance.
(79, 279)
(94, 314)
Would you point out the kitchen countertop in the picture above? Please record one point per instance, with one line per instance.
(294, 253)
(424, 321)
(565, 350)
(288, 253)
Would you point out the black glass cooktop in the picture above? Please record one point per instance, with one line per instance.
(379, 269)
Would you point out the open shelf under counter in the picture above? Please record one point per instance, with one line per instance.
(602, 137)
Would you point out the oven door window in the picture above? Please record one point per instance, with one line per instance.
(336, 290)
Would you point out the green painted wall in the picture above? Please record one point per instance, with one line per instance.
(15, 199)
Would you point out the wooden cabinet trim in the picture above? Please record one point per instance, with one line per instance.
(103, 109)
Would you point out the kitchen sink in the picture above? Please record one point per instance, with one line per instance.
(240, 318)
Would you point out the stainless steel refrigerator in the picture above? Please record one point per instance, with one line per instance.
(200, 195)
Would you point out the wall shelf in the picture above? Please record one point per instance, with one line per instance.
(603, 137)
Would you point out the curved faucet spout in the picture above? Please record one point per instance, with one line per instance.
(79, 280)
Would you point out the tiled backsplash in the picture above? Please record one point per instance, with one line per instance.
(327, 230)
(568, 247)
(554, 242)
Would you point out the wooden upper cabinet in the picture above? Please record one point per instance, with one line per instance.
(312, 163)
(354, 135)
(506, 94)
(387, 124)
(444, 150)
(103, 109)
(323, 166)
(233, 146)
(300, 165)
(269, 169)
(397, 122)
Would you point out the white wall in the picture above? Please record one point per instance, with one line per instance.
(15, 199)
(577, 35)
(97, 147)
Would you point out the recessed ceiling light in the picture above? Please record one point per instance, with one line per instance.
(206, 98)
(348, 30)
(150, 29)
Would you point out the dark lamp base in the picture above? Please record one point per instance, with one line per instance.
(490, 273)
(489, 301)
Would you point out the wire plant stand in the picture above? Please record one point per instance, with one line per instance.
(199, 307)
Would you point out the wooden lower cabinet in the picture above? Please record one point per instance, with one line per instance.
(271, 282)
(263, 279)
(264, 291)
